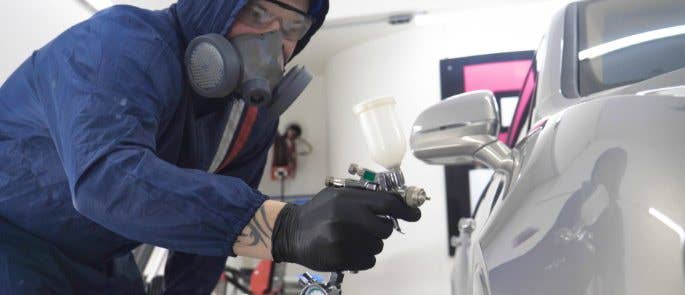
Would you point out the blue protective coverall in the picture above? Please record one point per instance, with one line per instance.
(103, 145)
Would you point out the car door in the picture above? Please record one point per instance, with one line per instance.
(491, 197)
(471, 275)
(463, 261)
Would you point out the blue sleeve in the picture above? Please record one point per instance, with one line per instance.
(106, 101)
(192, 274)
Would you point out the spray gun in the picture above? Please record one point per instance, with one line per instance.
(387, 144)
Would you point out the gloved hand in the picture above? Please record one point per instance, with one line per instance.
(339, 229)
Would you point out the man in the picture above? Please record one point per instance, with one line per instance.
(104, 145)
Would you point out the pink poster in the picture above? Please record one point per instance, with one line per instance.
(504, 79)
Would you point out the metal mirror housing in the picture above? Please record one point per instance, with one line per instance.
(460, 130)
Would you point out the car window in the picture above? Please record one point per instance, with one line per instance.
(628, 41)
(525, 129)
(520, 124)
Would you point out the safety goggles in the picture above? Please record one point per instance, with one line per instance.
(261, 14)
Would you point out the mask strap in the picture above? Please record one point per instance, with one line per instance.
(288, 7)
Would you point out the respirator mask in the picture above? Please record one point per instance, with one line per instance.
(249, 65)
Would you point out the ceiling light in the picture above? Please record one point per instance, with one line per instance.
(400, 19)
(95, 5)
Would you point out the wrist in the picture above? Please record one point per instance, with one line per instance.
(271, 211)
(283, 231)
(256, 238)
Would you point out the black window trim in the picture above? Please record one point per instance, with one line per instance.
(483, 195)
(498, 194)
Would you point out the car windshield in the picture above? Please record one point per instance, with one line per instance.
(626, 41)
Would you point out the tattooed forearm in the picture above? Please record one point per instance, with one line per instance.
(262, 212)
(255, 239)
(254, 234)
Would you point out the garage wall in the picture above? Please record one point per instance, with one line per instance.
(310, 111)
(30, 24)
(406, 65)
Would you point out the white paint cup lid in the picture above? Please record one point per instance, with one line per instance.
(372, 104)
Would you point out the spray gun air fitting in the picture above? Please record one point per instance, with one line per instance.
(313, 285)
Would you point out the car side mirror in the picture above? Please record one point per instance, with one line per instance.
(460, 130)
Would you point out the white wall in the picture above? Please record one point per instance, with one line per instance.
(27, 25)
(406, 66)
(310, 111)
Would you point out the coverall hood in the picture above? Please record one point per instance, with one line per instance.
(198, 18)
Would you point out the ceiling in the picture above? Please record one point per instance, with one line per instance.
(345, 9)
(339, 8)
(351, 22)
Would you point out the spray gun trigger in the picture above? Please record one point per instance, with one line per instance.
(396, 224)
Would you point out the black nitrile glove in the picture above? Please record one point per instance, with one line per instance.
(340, 229)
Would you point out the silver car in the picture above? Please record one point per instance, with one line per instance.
(588, 195)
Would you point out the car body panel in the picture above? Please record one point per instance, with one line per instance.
(594, 209)
(595, 203)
